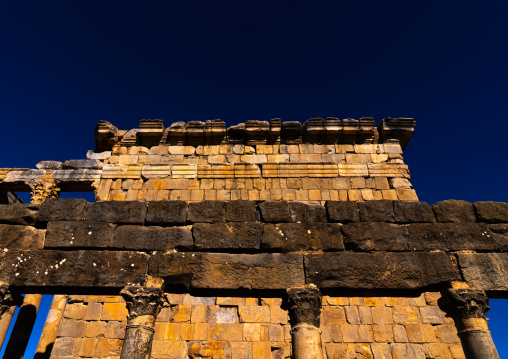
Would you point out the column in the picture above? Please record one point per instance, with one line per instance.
(304, 313)
(468, 308)
(143, 304)
(23, 327)
(8, 304)
(48, 335)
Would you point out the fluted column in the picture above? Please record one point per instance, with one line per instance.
(468, 308)
(8, 304)
(143, 304)
(53, 319)
(304, 313)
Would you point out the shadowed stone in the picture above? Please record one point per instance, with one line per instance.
(59, 209)
(161, 213)
(128, 212)
(454, 211)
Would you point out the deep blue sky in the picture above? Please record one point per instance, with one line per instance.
(66, 65)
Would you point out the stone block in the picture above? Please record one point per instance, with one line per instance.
(23, 175)
(378, 270)
(454, 211)
(275, 211)
(333, 315)
(95, 329)
(382, 315)
(153, 238)
(59, 209)
(247, 170)
(184, 170)
(128, 212)
(291, 237)
(93, 311)
(388, 170)
(353, 170)
(79, 234)
(306, 213)
(488, 271)
(413, 212)
(20, 237)
(163, 213)
(49, 165)
(106, 347)
(18, 213)
(376, 211)
(293, 170)
(229, 271)
(323, 170)
(156, 171)
(254, 314)
(74, 311)
(491, 212)
(343, 211)
(71, 328)
(241, 211)
(63, 347)
(374, 236)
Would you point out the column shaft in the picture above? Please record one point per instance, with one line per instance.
(5, 322)
(48, 335)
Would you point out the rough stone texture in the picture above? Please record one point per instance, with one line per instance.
(376, 211)
(162, 213)
(379, 270)
(491, 212)
(488, 271)
(227, 236)
(51, 268)
(79, 234)
(20, 237)
(56, 209)
(306, 213)
(18, 213)
(206, 212)
(292, 237)
(413, 212)
(275, 211)
(343, 212)
(229, 271)
(128, 212)
(375, 236)
(454, 211)
(241, 211)
(153, 238)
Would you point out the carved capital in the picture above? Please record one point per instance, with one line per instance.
(142, 300)
(7, 299)
(43, 188)
(468, 303)
(304, 305)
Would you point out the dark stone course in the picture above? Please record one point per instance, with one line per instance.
(375, 236)
(163, 213)
(119, 212)
(499, 232)
(379, 270)
(227, 236)
(454, 211)
(79, 234)
(292, 237)
(412, 212)
(306, 213)
(229, 271)
(488, 271)
(241, 211)
(52, 268)
(20, 237)
(491, 212)
(18, 213)
(206, 212)
(248, 234)
(153, 238)
(62, 209)
(450, 237)
(343, 211)
(275, 212)
(376, 211)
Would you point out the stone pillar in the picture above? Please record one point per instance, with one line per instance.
(143, 304)
(468, 308)
(8, 304)
(304, 313)
(48, 335)
(23, 327)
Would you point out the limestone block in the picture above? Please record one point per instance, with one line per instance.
(98, 155)
(106, 347)
(390, 148)
(156, 171)
(270, 169)
(49, 165)
(305, 158)
(223, 171)
(184, 170)
(23, 175)
(293, 170)
(246, 170)
(400, 183)
(277, 158)
(323, 170)
(353, 170)
(259, 158)
(215, 159)
(182, 150)
(387, 170)
(114, 171)
(353, 158)
(365, 148)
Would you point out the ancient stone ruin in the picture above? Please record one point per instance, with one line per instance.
(262, 240)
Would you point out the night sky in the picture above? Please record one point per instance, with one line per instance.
(66, 65)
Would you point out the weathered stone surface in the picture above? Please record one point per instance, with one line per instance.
(491, 212)
(344, 212)
(18, 213)
(499, 232)
(292, 237)
(77, 175)
(20, 237)
(227, 236)
(153, 238)
(488, 271)
(56, 209)
(52, 268)
(379, 270)
(375, 236)
(79, 234)
(241, 211)
(229, 271)
(275, 211)
(454, 211)
(306, 213)
(49, 165)
(412, 212)
(450, 236)
(89, 163)
(128, 212)
(206, 212)
(376, 211)
(162, 213)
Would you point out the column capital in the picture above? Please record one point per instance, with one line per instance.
(43, 188)
(142, 300)
(305, 305)
(468, 303)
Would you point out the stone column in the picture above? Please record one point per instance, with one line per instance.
(48, 335)
(468, 308)
(143, 304)
(23, 327)
(8, 304)
(304, 313)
